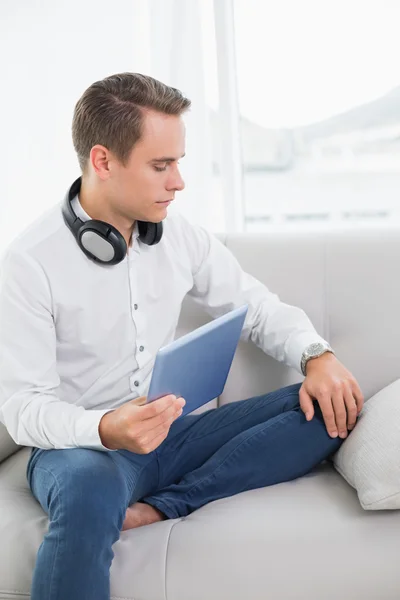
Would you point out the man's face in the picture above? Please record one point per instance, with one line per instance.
(137, 191)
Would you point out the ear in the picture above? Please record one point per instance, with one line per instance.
(99, 159)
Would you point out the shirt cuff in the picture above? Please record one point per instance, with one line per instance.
(296, 346)
(87, 430)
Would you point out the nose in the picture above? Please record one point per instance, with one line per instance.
(176, 182)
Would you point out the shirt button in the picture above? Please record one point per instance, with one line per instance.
(135, 306)
(137, 383)
(141, 348)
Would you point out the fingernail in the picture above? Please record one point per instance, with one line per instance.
(334, 434)
(308, 416)
(343, 434)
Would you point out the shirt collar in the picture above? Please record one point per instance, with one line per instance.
(82, 214)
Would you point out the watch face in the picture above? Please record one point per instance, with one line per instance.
(315, 349)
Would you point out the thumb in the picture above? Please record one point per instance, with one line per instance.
(306, 404)
(138, 401)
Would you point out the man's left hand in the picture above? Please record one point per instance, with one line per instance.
(336, 391)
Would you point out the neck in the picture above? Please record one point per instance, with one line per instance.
(96, 204)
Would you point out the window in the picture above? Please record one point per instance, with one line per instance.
(318, 95)
(301, 99)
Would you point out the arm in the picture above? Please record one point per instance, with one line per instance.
(281, 330)
(29, 406)
(220, 284)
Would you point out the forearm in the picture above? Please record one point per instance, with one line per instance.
(283, 333)
(44, 421)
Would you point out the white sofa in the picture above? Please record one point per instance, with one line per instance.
(308, 539)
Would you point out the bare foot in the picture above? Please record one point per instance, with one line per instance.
(141, 514)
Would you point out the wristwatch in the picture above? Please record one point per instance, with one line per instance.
(313, 351)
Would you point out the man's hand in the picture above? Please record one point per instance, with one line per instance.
(139, 429)
(336, 391)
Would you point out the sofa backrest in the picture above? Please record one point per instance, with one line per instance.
(347, 282)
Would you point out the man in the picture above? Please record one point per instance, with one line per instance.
(85, 306)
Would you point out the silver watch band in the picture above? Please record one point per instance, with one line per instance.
(314, 351)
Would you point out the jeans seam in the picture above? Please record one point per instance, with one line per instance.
(140, 473)
(158, 467)
(58, 534)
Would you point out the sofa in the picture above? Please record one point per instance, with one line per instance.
(307, 539)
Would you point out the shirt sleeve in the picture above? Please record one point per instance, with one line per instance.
(29, 406)
(220, 285)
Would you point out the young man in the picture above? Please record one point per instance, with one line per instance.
(84, 307)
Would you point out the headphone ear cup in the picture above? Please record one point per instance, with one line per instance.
(102, 242)
(150, 233)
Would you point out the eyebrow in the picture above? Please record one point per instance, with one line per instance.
(166, 158)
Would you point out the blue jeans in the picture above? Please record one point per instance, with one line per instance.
(240, 446)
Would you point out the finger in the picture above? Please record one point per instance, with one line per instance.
(169, 414)
(351, 407)
(325, 403)
(359, 397)
(138, 401)
(306, 404)
(339, 408)
(163, 420)
(146, 445)
(153, 409)
(164, 427)
(145, 440)
(158, 440)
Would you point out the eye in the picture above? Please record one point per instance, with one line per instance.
(160, 168)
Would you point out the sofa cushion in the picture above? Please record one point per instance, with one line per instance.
(239, 547)
(369, 458)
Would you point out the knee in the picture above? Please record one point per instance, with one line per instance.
(290, 396)
(88, 490)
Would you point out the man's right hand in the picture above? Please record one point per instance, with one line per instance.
(140, 429)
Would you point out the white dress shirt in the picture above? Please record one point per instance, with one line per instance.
(78, 339)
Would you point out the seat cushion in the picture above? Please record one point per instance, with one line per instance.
(304, 540)
(308, 539)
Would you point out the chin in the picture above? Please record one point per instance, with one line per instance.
(155, 219)
(159, 216)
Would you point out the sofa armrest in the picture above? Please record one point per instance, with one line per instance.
(7, 444)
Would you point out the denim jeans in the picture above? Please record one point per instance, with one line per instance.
(240, 446)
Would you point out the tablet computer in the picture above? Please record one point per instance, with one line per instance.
(196, 365)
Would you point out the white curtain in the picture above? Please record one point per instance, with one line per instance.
(52, 51)
(177, 59)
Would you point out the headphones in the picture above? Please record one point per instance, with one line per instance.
(99, 240)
